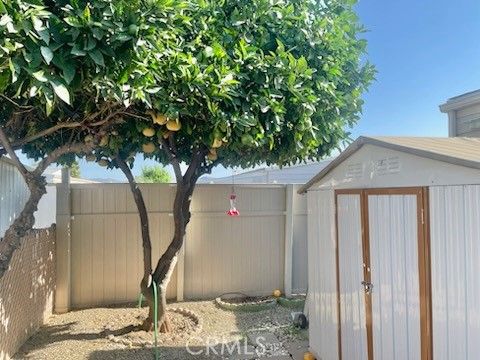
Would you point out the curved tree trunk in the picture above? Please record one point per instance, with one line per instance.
(22, 224)
(37, 186)
(181, 215)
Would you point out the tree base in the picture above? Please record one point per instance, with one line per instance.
(165, 327)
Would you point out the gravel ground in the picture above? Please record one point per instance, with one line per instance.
(80, 334)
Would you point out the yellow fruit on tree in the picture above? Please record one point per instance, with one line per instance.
(212, 155)
(104, 141)
(174, 125)
(308, 356)
(148, 132)
(166, 134)
(103, 162)
(160, 119)
(149, 148)
(90, 157)
(277, 293)
(217, 143)
(152, 114)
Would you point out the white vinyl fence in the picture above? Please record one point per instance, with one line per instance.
(13, 194)
(261, 250)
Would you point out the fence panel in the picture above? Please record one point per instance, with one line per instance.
(221, 254)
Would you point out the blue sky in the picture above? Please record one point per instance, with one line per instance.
(425, 51)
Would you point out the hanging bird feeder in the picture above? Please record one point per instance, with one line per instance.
(233, 204)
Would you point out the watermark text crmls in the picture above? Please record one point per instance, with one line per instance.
(223, 347)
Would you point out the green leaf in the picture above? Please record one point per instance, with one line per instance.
(47, 54)
(68, 72)
(61, 91)
(97, 56)
(40, 76)
(77, 51)
(44, 35)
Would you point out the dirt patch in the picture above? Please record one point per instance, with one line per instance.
(83, 334)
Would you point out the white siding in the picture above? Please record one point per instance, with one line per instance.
(455, 252)
(13, 194)
(468, 121)
(352, 295)
(322, 275)
(394, 273)
(362, 171)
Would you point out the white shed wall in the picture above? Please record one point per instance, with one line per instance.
(322, 291)
(377, 167)
(455, 254)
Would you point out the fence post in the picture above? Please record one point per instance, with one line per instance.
(289, 218)
(181, 271)
(63, 244)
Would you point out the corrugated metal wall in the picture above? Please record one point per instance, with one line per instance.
(455, 252)
(322, 301)
(222, 254)
(352, 295)
(13, 194)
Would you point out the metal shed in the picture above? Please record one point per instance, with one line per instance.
(394, 251)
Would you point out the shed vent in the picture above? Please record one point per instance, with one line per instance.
(389, 165)
(354, 171)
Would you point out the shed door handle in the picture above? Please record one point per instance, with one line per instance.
(368, 286)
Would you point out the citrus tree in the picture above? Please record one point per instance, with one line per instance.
(192, 82)
(63, 87)
(239, 83)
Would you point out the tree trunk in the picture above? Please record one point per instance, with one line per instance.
(23, 223)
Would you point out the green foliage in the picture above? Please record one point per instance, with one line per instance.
(254, 81)
(75, 169)
(154, 174)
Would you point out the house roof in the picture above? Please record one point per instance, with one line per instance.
(456, 150)
(296, 174)
(461, 101)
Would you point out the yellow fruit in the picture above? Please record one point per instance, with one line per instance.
(217, 143)
(212, 155)
(104, 141)
(90, 157)
(148, 132)
(277, 293)
(152, 114)
(166, 134)
(174, 125)
(148, 148)
(160, 119)
(88, 139)
(103, 162)
(308, 356)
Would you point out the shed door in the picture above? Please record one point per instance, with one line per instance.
(383, 275)
(353, 336)
(394, 267)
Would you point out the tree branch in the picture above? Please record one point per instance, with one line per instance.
(142, 211)
(8, 148)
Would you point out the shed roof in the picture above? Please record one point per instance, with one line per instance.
(457, 150)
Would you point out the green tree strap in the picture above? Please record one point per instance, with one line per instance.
(155, 324)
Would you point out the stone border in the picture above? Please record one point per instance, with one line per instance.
(292, 303)
(248, 307)
(146, 343)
